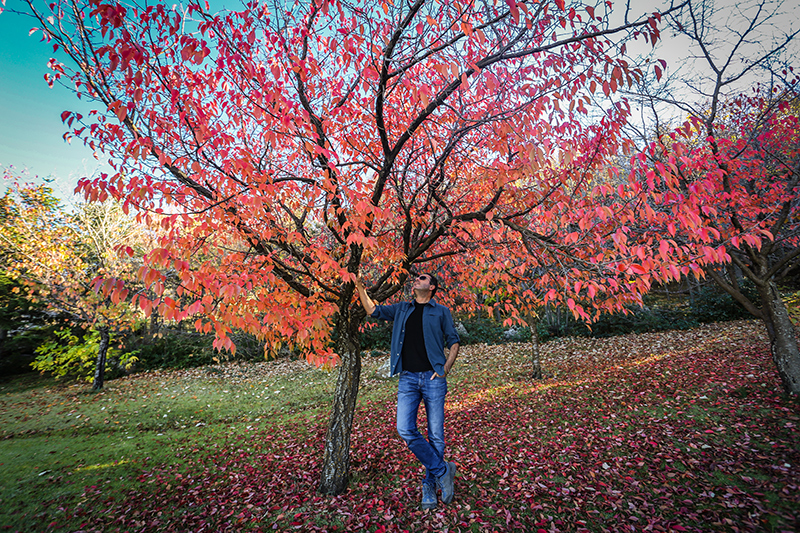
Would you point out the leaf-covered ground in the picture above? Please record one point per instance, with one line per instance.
(677, 431)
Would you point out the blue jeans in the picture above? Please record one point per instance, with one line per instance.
(413, 388)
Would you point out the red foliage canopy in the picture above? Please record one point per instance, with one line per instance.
(282, 150)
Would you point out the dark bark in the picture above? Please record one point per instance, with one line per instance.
(783, 341)
(154, 325)
(536, 365)
(102, 351)
(336, 460)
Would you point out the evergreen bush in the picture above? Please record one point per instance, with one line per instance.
(176, 349)
(714, 305)
(376, 335)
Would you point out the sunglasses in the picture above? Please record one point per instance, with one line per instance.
(423, 277)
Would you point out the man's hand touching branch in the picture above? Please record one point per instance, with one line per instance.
(366, 301)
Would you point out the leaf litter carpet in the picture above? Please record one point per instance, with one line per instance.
(671, 431)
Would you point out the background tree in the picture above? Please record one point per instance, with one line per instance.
(24, 324)
(15, 310)
(63, 259)
(727, 178)
(312, 138)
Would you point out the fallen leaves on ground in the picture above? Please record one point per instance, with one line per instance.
(676, 431)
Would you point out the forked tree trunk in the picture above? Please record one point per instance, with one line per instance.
(783, 342)
(336, 461)
(100, 366)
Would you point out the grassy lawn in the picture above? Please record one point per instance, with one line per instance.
(675, 431)
(59, 438)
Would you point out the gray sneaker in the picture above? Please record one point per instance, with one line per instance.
(446, 483)
(429, 496)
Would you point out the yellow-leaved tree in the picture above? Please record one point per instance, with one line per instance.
(65, 258)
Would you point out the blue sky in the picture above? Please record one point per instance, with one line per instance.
(30, 112)
(30, 125)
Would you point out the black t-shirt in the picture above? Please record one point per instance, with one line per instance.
(415, 356)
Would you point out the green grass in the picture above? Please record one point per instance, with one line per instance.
(58, 437)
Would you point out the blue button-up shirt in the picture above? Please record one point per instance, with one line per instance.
(438, 330)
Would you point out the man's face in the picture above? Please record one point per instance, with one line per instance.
(422, 282)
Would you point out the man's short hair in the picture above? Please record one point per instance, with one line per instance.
(435, 283)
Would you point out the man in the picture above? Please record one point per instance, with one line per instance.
(421, 330)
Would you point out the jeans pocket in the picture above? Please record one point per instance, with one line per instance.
(438, 385)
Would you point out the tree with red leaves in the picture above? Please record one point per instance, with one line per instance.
(295, 143)
(725, 181)
(741, 183)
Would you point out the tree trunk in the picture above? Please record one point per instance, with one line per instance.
(102, 350)
(154, 324)
(336, 461)
(783, 342)
(536, 371)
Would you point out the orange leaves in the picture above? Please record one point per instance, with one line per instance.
(153, 279)
(753, 241)
(616, 74)
(119, 109)
(279, 171)
(591, 291)
(711, 200)
(159, 257)
(323, 358)
(224, 343)
(445, 69)
(230, 290)
(203, 326)
(654, 31)
(664, 248)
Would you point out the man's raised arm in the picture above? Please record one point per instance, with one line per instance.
(366, 301)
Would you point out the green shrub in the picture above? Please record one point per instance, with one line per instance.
(71, 355)
(176, 349)
(714, 305)
(792, 302)
(24, 325)
(18, 350)
(248, 347)
(376, 335)
(709, 304)
(487, 330)
(638, 320)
